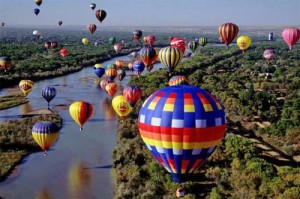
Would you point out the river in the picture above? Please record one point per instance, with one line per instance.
(79, 163)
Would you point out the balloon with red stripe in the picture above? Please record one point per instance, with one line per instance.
(132, 94)
(181, 126)
(228, 31)
(81, 112)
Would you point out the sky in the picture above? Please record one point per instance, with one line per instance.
(154, 12)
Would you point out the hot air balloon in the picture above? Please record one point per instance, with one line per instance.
(130, 65)
(99, 70)
(45, 134)
(111, 89)
(243, 42)
(103, 84)
(193, 45)
(121, 106)
(91, 28)
(64, 52)
(26, 86)
(38, 2)
(150, 39)
(269, 54)
(118, 47)
(92, 6)
(49, 94)
(81, 112)
(132, 94)
(149, 68)
(270, 37)
(121, 74)
(137, 34)
(291, 36)
(2, 24)
(60, 23)
(47, 44)
(112, 40)
(148, 55)
(85, 41)
(181, 126)
(138, 67)
(178, 42)
(228, 32)
(170, 57)
(120, 63)
(36, 33)
(202, 41)
(5, 63)
(36, 11)
(178, 80)
(113, 66)
(100, 15)
(54, 44)
(111, 74)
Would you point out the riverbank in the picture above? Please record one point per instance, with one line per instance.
(58, 67)
(12, 100)
(16, 140)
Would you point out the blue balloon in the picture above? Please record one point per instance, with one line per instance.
(49, 93)
(99, 71)
(36, 11)
(138, 67)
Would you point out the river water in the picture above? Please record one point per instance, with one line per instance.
(79, 163)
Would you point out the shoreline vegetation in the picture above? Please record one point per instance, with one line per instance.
(239, 168)
(16, 141)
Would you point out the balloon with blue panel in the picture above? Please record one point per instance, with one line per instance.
(181, 126)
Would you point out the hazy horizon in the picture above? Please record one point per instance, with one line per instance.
(145, 13)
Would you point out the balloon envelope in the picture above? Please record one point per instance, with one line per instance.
(291, 36)
(121, 106)
(170, 57)
(45, 134)
(132, 94)
(269, 54)
(228, 31)
(49, 93)
(101, 15)
(99, 70)
(243, 42)
(26, 86)
(5, 63)
(181, 126)
(178, 42)
(81, 112)
(178, 80)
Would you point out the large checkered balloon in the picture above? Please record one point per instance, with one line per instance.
(181, 126)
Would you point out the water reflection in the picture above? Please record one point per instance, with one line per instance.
(79, 180)
(44, 194)
(108, 109)
(25, 108)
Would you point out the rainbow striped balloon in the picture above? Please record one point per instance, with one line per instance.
(178, 80)
(181, 126)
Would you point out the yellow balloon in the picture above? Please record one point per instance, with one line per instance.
(81, 112)
(243, 42)
(121, 106)
(98, 65)
(26, 86)
(85, 41)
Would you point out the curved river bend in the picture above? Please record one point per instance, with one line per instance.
(79, 164)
